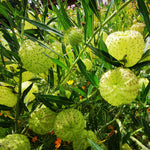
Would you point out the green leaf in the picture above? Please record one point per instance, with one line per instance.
(140, 65)
(87, 75)
(108, 10)
(146, 92)
(11, 40)
(9, 54)
(3, 107)
(146, 128)
(6, 124)
(117, 3)
(79, 91)
(44, 27)
(58, 62)
(94, 7)
(105, 56)
(46, 99)
(94, 145)
(41, 44)
(143, 11)
(51, 77)
(62, 16)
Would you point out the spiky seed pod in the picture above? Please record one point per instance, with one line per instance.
(74, 36)
(68, 122)
(7, 96)
(138, 27)
(33, 57)
(15, 142)
(81, 142)
(119, 86)
(42, 120)
(129, 45)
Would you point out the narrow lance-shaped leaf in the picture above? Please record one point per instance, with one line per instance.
(44, 27)
(105, 56)
(143, 10)
(58, 62)
(94, 145)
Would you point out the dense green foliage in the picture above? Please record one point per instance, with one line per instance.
(61, 70)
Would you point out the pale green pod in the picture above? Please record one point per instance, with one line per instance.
(42, 120)
(35, 57)
(68, 122)
(7, 96)
(119, 86)
(15, 142)
(127, 45)
(81, 142)
(74, 37)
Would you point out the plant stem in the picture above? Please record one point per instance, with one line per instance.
(65, 77)
(131, 137)
(18, 101)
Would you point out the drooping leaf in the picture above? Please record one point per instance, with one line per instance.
(58, 62)
(146, 128)
(144, 12)
(54, 99)
(104, 56)
(44, 27)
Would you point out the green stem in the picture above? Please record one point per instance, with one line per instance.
(108, 19)
(131, 137)
(70, 69)
(18, 101)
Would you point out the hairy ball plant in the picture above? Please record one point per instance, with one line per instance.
(127, 46)
(119, 86)
(68, 122)
(7, 95)
(42, 120)
(81, 142)
(15, 142)
(34, 58)
(73, 36)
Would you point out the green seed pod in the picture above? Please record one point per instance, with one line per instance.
(81, 140)
(15, 142)
(128, 45)
(7, 96)
(34, 58)
(42, 120)
(68, 122)
(119, 86)
(74, 36)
